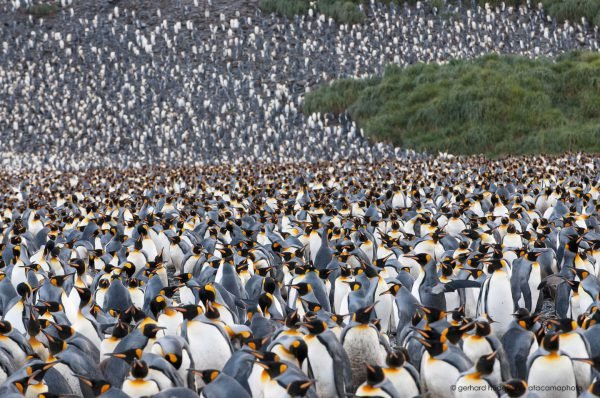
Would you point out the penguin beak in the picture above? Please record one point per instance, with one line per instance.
(113, 355)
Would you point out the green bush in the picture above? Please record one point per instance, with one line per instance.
(347, 11)
(494, 105)
(343, 11)
(41, 10)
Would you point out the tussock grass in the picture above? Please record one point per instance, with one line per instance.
(41, 10)
(493, 105)
(348, 12)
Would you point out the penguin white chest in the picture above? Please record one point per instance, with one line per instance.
(440, 377)
(140, 388)
(209, 348)
(467, 387)
(553, 371)
(322, 366)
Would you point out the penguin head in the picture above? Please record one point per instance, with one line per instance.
(422, 258)
(397, 358)
(485, 364)
(315, 326)
(212, 312)
(393, 289)
(157, 305)
(564, 325)
(433, 347)
(79, 266)
(98, 386)
(515, 388)
(453, 334)
(274, 368)
(151, 329)
(353, 285)
(299, 350)
(208, 375)
(550, 342)
(299, 388)
(433, 314)
(139, 369)
(64, 331)
(5, 327)
(84, 294)
(363, 315)
(581, 273)
(55, 344)
(482, 328)
(59, 280)
(120, 330)
(190, 311)
(24, 290)
(303, 288)
(375, 374)
(129, 355)
(104, 283)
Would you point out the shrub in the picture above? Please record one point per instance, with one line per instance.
(494, 105)
(41, 10)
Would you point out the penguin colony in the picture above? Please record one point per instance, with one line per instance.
(389, 279)
(114, 89)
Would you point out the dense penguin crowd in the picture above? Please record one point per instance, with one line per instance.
(389, 279)
(112, 90)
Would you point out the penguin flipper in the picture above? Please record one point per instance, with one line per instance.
(453, 285)
(343, 378)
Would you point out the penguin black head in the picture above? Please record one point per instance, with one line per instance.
(482, 328)
(151, 329)
(375, 374)
(397, 358)
(132, 313)
(299, 388)
(564, 325)
(292, 319)
(104, 283)
(580, 272)
(353, 285)
(393, 289)
(212, 312)
(64, 331)
(139, 369)
(532, 256)
(315, 326)
(24, 290)
(302, 288)
(79, 266)
(299, 349)
(273, 368)
(129, 355)
(453, 334)
(5, 327)
(55, 344)
(120, 330)
(485, 364)
(550, 342)
(84, 294)
(190, 311)
(158, 304)
(433, 314)
(98, 386)
(269, 285)
(594, 388)
(207, 293)
(363, 315)
(515, 388)
(433, 347)
(208, 375)
(59, 280)
(422, 258)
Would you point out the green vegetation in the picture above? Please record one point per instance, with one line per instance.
(347, 11)
(41, 10)
(343, 11)
(494, 105)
